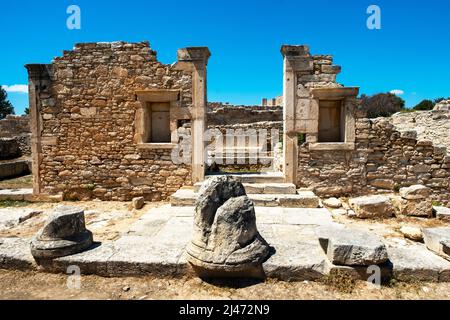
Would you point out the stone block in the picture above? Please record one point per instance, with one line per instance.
(416, 208)
(415, 192)
(351, 247)
(332, 203)
(372, 207)
(442, 213)
(436, 238)
(138, 203)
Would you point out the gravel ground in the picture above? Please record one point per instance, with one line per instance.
(34, 285)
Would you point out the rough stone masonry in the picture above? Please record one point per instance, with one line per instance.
(90, 113)
(106, 119)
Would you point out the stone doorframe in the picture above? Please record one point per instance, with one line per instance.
(195, 60)
(39, 80)
(301, 109)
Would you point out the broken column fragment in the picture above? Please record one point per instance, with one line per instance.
(64, 234)
(226, 242)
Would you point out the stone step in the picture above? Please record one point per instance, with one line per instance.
(263, 188)
(260, 177)
(240, 160)
(304, 199)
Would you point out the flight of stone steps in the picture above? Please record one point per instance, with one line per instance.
(264, 189)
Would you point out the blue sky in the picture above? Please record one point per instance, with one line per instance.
(410, 53)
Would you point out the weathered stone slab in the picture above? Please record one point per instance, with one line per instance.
(372, 207)
(12, 217)
(416, 208)
(442, 213)
(15, 194)
(304, 199)
(415, 262)
(352, 247)
(92, 261)
(306, 262)
(135, 255)
(415, 192)
(435, 238)
(15, 254)
(306, 216)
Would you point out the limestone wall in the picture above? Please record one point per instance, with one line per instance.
(13, 126)
(223, 114)
(86, 111)
(383, 161)
(429, 125)
(17, 128)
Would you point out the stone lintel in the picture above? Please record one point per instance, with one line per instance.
(290, 51)
(194, 54)
(158, 95)
(331, 146)
(152, 146)
(39, 71)
(335, 93)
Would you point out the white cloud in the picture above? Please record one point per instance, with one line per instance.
(16, 88)
(397, 92)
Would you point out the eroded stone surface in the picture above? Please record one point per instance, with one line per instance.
(435, 238)
(415, 262)
(334, 203)
(442, 213)
(352, 247)
(11, 217)
(64, 234)
(416, 208)
(415, 192)
(372, 207)
(138, 203)
(226, 241)
(412, 233)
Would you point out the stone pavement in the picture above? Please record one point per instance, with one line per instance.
(155, 245)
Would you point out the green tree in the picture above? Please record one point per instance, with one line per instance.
(6, 107)
(424, 105)
(381, 105)
(436, 101)
(27, 110)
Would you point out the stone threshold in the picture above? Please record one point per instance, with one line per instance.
(150, 248)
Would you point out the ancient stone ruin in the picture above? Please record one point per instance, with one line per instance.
(333, 191)
(64, 234)
(226, 242)
(15, 146)
(108, 118)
